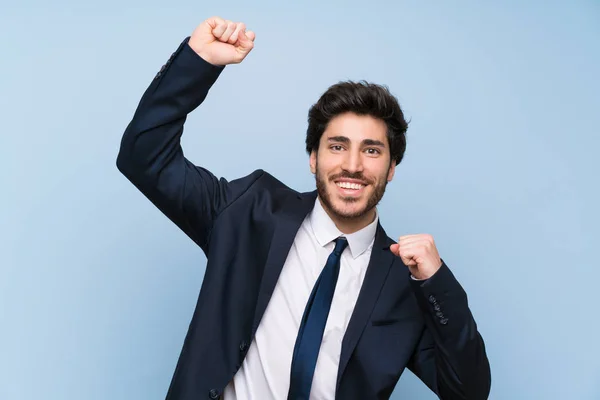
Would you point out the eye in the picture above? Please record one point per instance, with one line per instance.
(373, 151)
(336, 147)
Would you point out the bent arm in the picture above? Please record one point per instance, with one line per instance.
(451, 357)
(151, 156)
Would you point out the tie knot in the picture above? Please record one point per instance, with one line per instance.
(340, 245)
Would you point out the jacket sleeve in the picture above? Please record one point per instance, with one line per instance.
(450, 357)
(151, 156)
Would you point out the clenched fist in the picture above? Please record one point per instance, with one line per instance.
(221, 42)
(419, 254)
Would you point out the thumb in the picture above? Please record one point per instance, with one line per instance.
(246, 40)
(407, 260)
(250, 35)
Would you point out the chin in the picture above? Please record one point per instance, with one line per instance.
(343, 203)
(346, 212)
(345, 207)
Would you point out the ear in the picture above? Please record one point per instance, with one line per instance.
(313, 161)
(391, 171)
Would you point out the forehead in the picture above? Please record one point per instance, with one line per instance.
(356, 128)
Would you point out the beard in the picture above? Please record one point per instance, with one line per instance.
(372, 201)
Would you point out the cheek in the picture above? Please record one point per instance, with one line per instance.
(326, 166)
(377, 171)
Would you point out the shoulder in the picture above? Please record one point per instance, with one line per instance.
(261, 183)
(266, 181)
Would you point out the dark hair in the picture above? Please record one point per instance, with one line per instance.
(361, 98)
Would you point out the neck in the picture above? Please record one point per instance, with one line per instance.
(351, 224)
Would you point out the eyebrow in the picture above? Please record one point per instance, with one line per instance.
(366, 142)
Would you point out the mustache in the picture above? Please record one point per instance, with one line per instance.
(351, 175)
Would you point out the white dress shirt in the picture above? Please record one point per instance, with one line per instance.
(265, 371)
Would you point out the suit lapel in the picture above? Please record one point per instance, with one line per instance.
(287, 222)
(377, 271)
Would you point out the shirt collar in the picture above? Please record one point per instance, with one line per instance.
(325, 231)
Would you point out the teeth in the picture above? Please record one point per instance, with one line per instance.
(348, 185)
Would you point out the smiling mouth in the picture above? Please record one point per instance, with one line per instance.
(350, 185)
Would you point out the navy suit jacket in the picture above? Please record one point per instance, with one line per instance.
(246, 227)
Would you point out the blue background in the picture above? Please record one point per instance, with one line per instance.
(97, 287)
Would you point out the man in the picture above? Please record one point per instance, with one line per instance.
(304, 294)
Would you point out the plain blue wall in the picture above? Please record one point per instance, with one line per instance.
(97, 287)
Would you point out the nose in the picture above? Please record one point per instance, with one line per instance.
(352, 162)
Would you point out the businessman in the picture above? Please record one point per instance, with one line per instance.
(305, 296)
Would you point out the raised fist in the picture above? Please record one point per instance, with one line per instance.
(419, 253)
(222, 42)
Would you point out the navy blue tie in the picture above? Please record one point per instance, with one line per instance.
(312, 326)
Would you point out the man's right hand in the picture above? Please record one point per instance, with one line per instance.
(221, 42)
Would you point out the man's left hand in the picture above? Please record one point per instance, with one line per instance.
(419, 254)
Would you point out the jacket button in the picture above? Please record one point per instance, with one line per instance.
(432, 299)
(243, 346)
(213, 394)
(444, 321)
